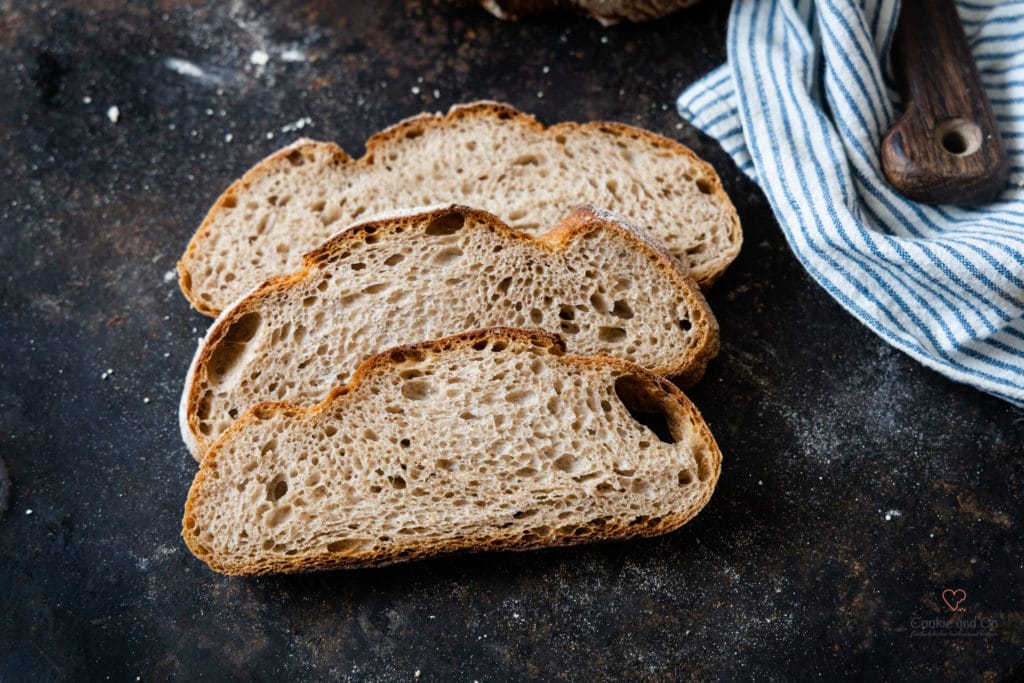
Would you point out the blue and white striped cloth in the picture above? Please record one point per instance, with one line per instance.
(802, 105)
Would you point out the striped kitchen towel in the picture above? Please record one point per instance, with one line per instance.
(802, 105)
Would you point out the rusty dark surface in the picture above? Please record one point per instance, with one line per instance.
(856, 486)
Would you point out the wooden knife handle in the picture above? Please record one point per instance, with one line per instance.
(945, 148)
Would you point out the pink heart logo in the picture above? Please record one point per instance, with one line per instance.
(954, 598)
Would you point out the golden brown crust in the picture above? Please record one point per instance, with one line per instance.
(382, 362)
(687, 371)
(399, 130)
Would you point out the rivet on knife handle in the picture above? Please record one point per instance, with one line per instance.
(945, 148)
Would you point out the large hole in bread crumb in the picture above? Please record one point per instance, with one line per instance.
(417, 390)
(448, 224)
(447, 256)
(611, 335)
(278, 515)
(277, 488)
(568, 464)
(527, 160)
(229, 349)
(621, 309)
(704, 464)
(347, 545)
(645, 406)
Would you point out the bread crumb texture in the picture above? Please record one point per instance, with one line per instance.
(483, 154)
(427, 275)
(487, 440)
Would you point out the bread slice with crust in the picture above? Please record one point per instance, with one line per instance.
(608, 12)
(423, 275)
(486, 155)
(489, 440)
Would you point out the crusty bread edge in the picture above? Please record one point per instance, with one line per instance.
(382, 361)
(704, 278)
(580, 222)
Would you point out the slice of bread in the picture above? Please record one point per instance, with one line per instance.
(486, 155)
(608, 12)
(488, 440)
(418, 276)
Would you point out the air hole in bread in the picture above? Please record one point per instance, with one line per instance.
(645, 406)
(686, 325)
(521, 397)
(226, 353)
(296, 158)
(417, 390)
(527, 160)
(447, 256)
(448, 224)
(611, 335)
(397, 482)
(622, 309)
(413, 133)
(566, 312)
(243, 329)
(704, 186)
(685, 478)
(347, 545)
(641, 486)
(330, 214)
(203, 409)
(703, 465)
(394, 259)
(277, 488)
(568, 464)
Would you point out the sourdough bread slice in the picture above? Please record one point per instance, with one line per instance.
(418, 276)
(608, 12)
(485, 155)
(489, 440)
